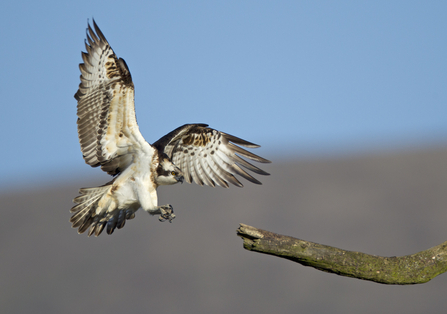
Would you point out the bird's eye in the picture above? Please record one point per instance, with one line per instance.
(173, 173)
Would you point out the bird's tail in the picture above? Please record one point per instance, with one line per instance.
(86, 214)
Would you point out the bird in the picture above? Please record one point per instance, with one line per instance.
(109, 137)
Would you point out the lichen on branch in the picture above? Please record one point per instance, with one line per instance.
(404, 270)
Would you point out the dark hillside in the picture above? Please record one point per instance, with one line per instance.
(384, 204)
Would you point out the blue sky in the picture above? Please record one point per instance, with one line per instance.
(301, 78)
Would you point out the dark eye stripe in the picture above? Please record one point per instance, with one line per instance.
(162, 172)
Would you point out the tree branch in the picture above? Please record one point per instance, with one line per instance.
(404, 270)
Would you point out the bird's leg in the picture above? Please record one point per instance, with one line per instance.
(148, 202)
(166, 212)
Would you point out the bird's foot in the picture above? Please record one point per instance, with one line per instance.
(167, 213)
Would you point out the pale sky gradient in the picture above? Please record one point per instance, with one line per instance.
(303, 78)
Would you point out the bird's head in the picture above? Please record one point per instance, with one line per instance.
(167, 172)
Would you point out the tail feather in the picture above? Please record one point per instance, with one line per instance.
(97, 228)
(87, 222)
(87, 203)
(111, 224)
(121, 219)
(83, 211)
(85, 215)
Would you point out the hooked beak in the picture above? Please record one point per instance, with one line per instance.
(180, 179)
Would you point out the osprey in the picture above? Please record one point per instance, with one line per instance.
(109, 137)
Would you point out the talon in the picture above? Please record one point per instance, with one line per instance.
(167, 213)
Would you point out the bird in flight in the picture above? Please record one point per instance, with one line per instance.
(109, 137)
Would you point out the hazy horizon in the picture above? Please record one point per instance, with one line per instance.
(389, 204)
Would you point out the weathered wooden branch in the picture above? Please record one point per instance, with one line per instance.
(404, 270)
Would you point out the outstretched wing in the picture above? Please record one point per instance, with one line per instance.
(207, 156)
(107, 127)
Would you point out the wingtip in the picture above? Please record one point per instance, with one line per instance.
(93, 21)
(97, 30)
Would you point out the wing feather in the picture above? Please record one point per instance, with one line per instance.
(192, 170)
(225, 171)
(247, 154)
(248, 165)
(205, 171)
(207, 156)
(233, 167)
(199, 171)
(107, 128)
(216, 173)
